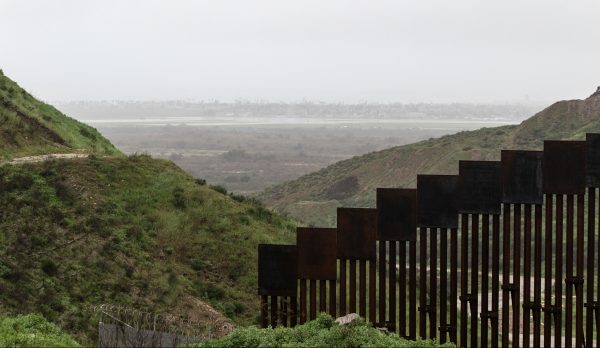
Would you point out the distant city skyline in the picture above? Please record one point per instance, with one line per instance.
(291, 51)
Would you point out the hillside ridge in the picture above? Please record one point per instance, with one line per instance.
(81, 225)
(30, 127)
(314, 197)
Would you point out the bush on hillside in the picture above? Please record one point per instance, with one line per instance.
(219, 188)
(322, 332)
(32, 331)
(179, 198)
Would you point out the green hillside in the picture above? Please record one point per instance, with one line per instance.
(314, 197)
(132, 231)
(30, 127)
(129, 231)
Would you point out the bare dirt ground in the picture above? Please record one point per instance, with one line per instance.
(43, 158)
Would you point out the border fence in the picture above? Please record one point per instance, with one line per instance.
(503, 254)
(126, 327)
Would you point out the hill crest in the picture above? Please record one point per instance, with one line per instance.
(314, 197)
(30, 127)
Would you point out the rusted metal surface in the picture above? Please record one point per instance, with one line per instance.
(274, 311)
(474, 277)
(313, 299)
(293, 311)
(382, 281)
(579, 336)
(392, 284)
(558, 280)
(495, 280)
(433, 286)
(527, 277)
(548, 313)
(536, 305)
(443, 285)
(356, 233)
(452, 328)
(589, 328)
(303, 306)
(277, 270)
(412, 284)
(352, 287)
(564, 167)
(464, 280)
(569, 262)
(332, 299)
(479, 187)
(501, 202)
(516, 273)
(317, 253)
(596, 304)
(423, 307)
(284, 311)
(485, 269)
(397, 214)
(362, 288)
(522, 180)
(506, 288)
(402, 281)
(264, 311)
(343, 290)
(436, 201)
(372, 292)
(593, 160)
(322, 295)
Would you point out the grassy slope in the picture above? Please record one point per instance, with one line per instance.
(131, 231)
(313, 198)
(30, 127)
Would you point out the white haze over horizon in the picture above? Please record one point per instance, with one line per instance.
(277, 50)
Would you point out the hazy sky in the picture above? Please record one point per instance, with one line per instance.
(277, 50)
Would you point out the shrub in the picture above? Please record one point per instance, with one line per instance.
(179, 198)
(238, 198)
(49, 267)
(86, 133)
(322, 332)
(32, 331)
(219, 189)
(210, 291)
(261, 213)
(198, 265)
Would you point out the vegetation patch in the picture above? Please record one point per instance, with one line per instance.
(33, 331)
(322, 332)
(130, 231)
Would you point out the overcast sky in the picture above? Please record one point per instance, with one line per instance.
(277, 50)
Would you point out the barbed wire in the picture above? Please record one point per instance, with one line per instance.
(164, 322)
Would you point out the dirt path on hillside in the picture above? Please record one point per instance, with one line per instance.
(43, 158)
